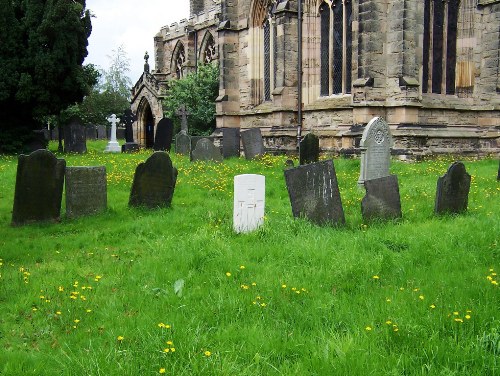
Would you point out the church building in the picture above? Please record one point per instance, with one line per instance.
(430, 68)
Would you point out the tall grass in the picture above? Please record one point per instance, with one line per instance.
(132, 292)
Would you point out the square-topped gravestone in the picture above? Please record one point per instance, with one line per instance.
(39, 187)
(452, 194)
(249, 202)
(86, 191)
(230, 142)
(183, 143)
(75, 138)
(314, 193)
(91, 132)
(375, 145)
(309, 149)
(205, 150)
(164, 134)
(101, 132)
(154, 182)
(382, 199)
(253, 145)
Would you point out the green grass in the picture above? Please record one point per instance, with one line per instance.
(299, 300)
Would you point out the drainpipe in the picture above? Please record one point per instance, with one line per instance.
(299, 76)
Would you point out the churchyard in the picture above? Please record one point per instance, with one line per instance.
(176, 290)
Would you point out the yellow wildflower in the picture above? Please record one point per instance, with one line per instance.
(207, 353)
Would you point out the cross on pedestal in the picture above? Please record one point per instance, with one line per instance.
(183, 113)
(113, 146)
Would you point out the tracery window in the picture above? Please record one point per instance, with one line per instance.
(440, 46)
(209, 52)
(179, 60)
(335, 47)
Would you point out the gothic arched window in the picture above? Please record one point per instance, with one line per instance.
(179, 60)
(335, 47)
(209, 49)
(267, 60)
(440, 46)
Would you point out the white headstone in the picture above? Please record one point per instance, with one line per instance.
(113, 145)
(249, 202)
(375, 146)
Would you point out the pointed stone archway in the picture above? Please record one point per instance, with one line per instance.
(145, 124)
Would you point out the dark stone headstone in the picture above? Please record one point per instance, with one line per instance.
(39, 187)
(75, 137)
(314, 193)
(382, 200)
(130, 147)
(205, 150)
(183, 144)
(253, 145)
(452, 194)
(37, 141)
(309, 149)
(128, 119)
(230, 142)
(91, 132)
(164, 134)
(86, 191)
(54, 134)
(154, 182)
(120, 133)
(101, 132)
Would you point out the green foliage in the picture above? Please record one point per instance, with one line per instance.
(42, 49)
(102, 295)
(197, 91)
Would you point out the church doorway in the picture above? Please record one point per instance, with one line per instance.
(149, 128)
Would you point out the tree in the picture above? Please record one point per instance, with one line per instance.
(197, 91)
(42, 49)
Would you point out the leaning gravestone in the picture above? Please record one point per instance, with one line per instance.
(164, 134)
(39, 187)
(101, 132)
(253, 145)
(183, 144)
(375, 147)
(205, 150)
(154, 182)
(249, 202)
(86, 191)
(314, 193)
(382, 199)
(230, 142)
(75, 138)
(452, 194)
(309, 149)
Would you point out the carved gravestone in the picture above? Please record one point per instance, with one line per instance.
(183, 144)
(382, 199)
(39, 187)
(86, 191)
(309, 149)
(253, 145)
(154, 182)
(205, 150)
(91, 132)
(314, 193)
(375, 147)
(195, 139)
(101, 132)
(249, 202)
(452, 194)
(230, 142)
(75, 138)
(164, 134)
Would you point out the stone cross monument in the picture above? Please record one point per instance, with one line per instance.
(113, 145)
(183, 113)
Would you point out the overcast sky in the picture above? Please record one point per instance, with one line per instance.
(130, 23)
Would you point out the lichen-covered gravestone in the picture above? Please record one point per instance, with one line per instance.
(314, 193)
(205, 150)
(86, 191)
(39, 187)
(309, 149)
(452, 193)
(382, 199)
(253, 145)
(183, 144)
(230, 142)
(376, 144)
(154, 182)
(249, 202)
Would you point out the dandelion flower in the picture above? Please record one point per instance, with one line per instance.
(228, 274)
(170, 343)
(242, 267)
(283, 286)
(120, 338)
(207, 353)
(459, 320)
(162, 370)
(467, 317)
(167, 350)
(388, 322)
(432, 306)
(376, 277)
(368, 328)
(421, 297)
